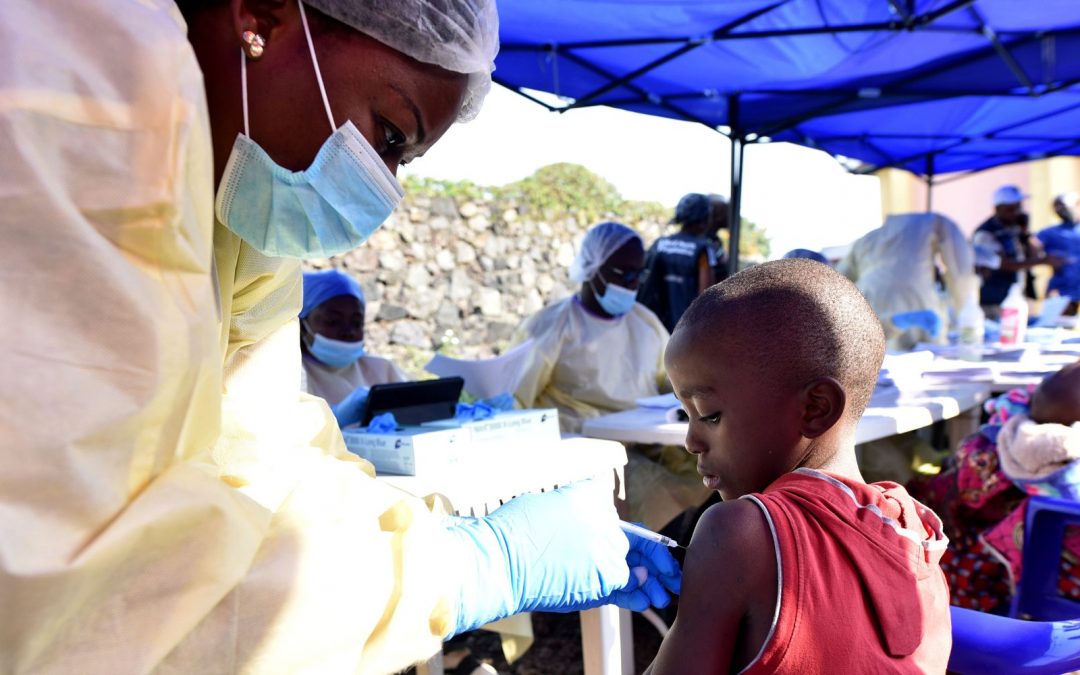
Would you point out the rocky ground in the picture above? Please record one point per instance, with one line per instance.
(557, 649)
(460, 275)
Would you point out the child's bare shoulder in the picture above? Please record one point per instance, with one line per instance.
(732, 545)
(728, 594)
(738, 517)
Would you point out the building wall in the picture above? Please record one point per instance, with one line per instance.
(968, 199)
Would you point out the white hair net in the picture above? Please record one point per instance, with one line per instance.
(600, 242)
(461, 36)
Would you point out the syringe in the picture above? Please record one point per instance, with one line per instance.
(639, 531)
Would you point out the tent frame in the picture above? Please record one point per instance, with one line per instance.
(899, 89)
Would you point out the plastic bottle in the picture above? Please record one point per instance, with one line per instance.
(1014, 316)
(971, 325)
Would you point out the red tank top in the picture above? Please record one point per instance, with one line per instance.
(860, 587)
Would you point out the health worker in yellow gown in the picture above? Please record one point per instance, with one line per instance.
(170, 501)
(597, 352)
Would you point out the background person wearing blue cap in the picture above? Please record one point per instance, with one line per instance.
(337, 367)
(680, 266)
(1005, 237)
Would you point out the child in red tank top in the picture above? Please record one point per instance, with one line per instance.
(803, 568)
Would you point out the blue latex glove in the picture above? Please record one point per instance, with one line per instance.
(927, 319)
(382, 424)
(467, 412)
(350, 409)
(501, 402)
(561, 551)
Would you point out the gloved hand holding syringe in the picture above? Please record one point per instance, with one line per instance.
(560, 551)
(638, 530)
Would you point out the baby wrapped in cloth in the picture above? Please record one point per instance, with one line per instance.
(1041, 459)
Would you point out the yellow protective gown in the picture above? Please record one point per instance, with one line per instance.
(893, 266)
(155, 515)
(585, 365)
(334, 384)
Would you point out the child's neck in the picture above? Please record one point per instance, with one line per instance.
(841, 464)
(835, 454)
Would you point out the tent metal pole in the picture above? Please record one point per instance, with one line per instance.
(735, 200)
(929, 183)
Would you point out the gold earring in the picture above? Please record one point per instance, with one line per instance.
(256, 44)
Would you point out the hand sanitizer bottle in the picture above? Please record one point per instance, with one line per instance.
(1014, 316)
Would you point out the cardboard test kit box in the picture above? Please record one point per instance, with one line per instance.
(437, 446)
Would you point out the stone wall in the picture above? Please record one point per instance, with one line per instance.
(459, 275)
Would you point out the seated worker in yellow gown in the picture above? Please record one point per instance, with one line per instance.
(337, 367)
(599, 351)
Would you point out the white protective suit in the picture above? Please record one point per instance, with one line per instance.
(586, 365)
(153, 515)
(893, 266)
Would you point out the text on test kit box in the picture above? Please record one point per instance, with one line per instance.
(541, 424)
(410, 451)
(436, 446)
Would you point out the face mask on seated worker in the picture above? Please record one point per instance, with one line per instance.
(335, 353)
(615, 299)
(330, 208)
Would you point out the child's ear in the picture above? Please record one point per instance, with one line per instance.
(824, 401)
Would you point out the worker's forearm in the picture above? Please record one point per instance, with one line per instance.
(1020, 265)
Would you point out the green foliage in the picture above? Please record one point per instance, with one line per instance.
(753, 241)
(632, 211)
(458, 190)
(564, 190)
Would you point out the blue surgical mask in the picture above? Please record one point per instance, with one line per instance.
(615, 300)
(330, 208)
(335, 353)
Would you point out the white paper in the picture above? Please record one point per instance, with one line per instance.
(1052, 309)
(664, 401)
(486, 378)
(904, 371)
(947, 371)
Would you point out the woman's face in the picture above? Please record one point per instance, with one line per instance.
(339, 318)
(623, 268)
(401, 106)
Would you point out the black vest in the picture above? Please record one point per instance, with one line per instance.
(672, 281)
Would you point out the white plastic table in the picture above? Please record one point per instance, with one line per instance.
(890, 413)
(1004, 375)
(477, 488)
(1030, 364)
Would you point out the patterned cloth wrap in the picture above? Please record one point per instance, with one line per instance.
(983, 513)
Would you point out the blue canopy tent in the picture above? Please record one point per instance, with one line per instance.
(931, 86)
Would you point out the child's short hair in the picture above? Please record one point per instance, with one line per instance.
(794, 320)
(1057, 398)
